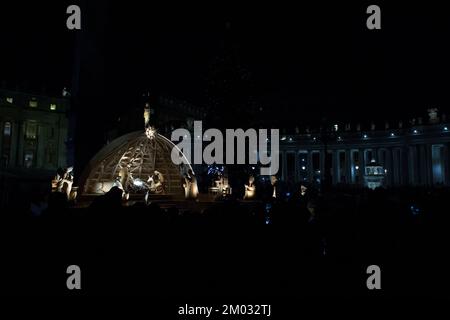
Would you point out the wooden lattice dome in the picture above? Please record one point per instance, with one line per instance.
(137, 156)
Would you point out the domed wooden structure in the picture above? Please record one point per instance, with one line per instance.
(131, 159)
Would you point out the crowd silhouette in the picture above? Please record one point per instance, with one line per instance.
(309, 243)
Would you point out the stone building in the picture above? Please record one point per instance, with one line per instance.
(417, 155)
(34, 133)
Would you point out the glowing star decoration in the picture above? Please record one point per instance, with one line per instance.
(150, 132)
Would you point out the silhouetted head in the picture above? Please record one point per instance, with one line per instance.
(114, 196)
(57, 201)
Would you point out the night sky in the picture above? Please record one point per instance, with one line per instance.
(299, 63)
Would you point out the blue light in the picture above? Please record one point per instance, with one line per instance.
(445, 128)
(365, 136)
(415, 211)
(392, 134)
(138, 183)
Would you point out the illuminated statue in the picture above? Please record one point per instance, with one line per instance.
(303, 190)
(190, 185)
(156, 183)
(147, 115)
(250, 189)
(222, 186)
(219, 183)
(433, 115)
(65, 93)
(63, 182)
(150, 131)
(273, 181)
(117, 183)
(124, 176)
(122, 182)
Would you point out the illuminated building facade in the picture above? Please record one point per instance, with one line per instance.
(34, 132)
(415, 156)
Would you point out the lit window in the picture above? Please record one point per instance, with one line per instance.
(31, 130)
(9, 100)
(33, 104)
(7, 129)
(53, 107)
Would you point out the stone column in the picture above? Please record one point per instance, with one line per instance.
(40, 152)
(404, 166)
(297, 171)
(62, 137)
(422, 160)
(389, 167)
(322, 165)
(429, 151)
(446, 165)
(336, 165)
(284, 159)
(362, 165)
(2, 131)
(396, 154)
(20, 143)
(348, 167)
(383, 159)
(310, 166)
(353, 171)
(14, 143)
(412, 165)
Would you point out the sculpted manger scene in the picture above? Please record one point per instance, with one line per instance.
(139, 163)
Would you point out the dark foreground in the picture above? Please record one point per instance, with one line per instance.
(235, 250)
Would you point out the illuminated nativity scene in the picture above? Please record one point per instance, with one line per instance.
(139, 163)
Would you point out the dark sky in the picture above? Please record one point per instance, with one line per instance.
(300, 62)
